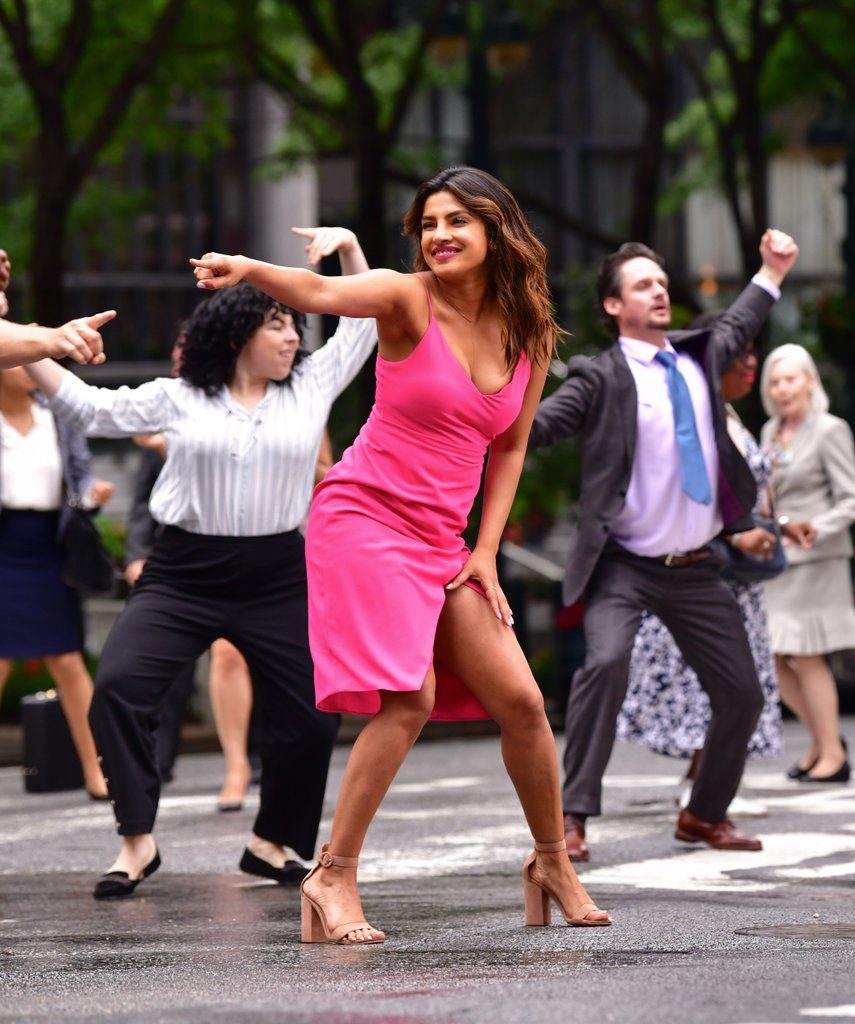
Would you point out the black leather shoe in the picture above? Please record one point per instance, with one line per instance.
(291, 873)
(841, 775)
(116, 884)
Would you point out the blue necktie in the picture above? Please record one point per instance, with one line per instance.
(693, 470)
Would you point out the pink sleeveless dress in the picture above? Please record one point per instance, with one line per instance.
(384, 533)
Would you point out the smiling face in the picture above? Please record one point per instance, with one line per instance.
(790, 389)
(453, 239)
(270, 351)
(644, 305)
(738, 379)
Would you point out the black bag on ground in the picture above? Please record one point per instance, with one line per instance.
(88, 566)
(50, 762)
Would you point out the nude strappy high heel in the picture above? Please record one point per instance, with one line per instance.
(538, 906)
(315, 927)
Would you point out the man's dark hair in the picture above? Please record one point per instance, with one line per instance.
(609, 276)
(219, 329)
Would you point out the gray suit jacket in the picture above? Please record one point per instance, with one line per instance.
(598, 400)
(818, 484)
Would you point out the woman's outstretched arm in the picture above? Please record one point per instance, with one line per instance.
(380, 294)
(22, 344)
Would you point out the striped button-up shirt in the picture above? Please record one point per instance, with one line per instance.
(229, 472)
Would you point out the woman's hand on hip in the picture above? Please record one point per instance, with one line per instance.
(481, 567)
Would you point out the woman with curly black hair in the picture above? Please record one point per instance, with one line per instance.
(243, 425)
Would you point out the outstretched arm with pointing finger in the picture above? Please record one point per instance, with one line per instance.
(80, 339)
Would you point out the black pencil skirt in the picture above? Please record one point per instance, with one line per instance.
(194, 589)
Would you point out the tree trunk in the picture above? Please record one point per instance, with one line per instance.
(648, 171)
(371, 199)
(370, 157)
(758, 185)
(54, 196)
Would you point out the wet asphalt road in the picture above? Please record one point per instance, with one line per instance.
(203, 943)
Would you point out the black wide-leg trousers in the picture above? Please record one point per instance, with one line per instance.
(705, 620)
(194, 589)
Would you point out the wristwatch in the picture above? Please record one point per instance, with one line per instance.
(782, 520)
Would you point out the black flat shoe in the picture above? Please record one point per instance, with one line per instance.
(841, 775)
(230, 806)
(116, 884)
(796, 772)
(291, 873)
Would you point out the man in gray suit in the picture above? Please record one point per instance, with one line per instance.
(660, 478)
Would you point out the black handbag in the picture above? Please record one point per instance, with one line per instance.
(744, 568)
(88, 567)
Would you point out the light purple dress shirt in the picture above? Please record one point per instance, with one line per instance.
(657, 517)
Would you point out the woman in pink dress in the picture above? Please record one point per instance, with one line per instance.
(406, 624)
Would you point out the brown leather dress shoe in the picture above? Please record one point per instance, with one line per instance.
(574, 836)
(720, 835)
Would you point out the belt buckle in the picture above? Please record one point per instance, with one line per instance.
(669, 558)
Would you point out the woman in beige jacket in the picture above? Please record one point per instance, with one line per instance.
(811, 611)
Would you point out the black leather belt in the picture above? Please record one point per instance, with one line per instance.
(679, 559)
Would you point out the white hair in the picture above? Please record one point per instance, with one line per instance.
(800, 356)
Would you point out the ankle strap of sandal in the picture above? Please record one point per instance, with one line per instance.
(550, 847)
(329, 860)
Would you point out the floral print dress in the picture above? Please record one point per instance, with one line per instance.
(665, 708)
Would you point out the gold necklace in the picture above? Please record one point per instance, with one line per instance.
(445, 298)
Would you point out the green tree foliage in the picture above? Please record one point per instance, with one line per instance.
(80, 81)
(749, 60)
(350, 70)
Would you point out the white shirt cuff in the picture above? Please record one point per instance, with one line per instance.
(767, 285)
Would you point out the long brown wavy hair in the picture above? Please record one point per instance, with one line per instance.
(516, 258)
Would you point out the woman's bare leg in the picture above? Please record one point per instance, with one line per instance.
(75, 686)
(790, 688)
(377, 754)
(819, 692)
(231, 702)
(473, 644)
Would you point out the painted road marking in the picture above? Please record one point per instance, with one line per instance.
(708, 870)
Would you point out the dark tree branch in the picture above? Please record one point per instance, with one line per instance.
(719, 33)
(318, 33)
(135, 75)
(18, 32)
(413, 72)
(74, 43)
(276, 71)
(631, 58)
(839, 71)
